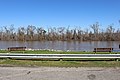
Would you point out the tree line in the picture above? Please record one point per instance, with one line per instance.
(33, 33)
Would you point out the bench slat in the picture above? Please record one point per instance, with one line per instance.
(16, 48)
(103, 49)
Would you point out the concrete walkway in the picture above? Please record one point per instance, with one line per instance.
(54, 73)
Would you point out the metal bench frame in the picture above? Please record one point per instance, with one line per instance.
(16, 48)
(103, 49)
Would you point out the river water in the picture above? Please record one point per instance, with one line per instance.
(61, 45)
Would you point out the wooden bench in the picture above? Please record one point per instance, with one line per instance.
(103, 49)
(16, 48)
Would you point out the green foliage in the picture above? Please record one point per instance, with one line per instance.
(36, 63)
(4, 51)
(55, 52)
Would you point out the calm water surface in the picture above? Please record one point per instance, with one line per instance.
(61, 45)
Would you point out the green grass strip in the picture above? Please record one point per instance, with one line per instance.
(37, 63)
(55, 52)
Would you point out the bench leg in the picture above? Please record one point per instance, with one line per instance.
(60, 59)
(117, 59)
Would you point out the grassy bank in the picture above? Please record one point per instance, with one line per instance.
(58, 63)
(56, 52)
(35, 63)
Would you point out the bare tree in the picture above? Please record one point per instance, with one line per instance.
(30, 32)
(95, 28)
(12, 33)
(21, 33)
(7, 33)
(61, 33)
(69, 33)
(109, 33)
(1, 33)
(41, 33)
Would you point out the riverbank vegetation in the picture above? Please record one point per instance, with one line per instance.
(56, 52)
(33, 33)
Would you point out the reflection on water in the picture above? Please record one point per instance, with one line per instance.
(61, 45)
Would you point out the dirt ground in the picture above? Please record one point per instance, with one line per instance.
(55, 73)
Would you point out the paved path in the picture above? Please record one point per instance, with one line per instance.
(54, 73)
